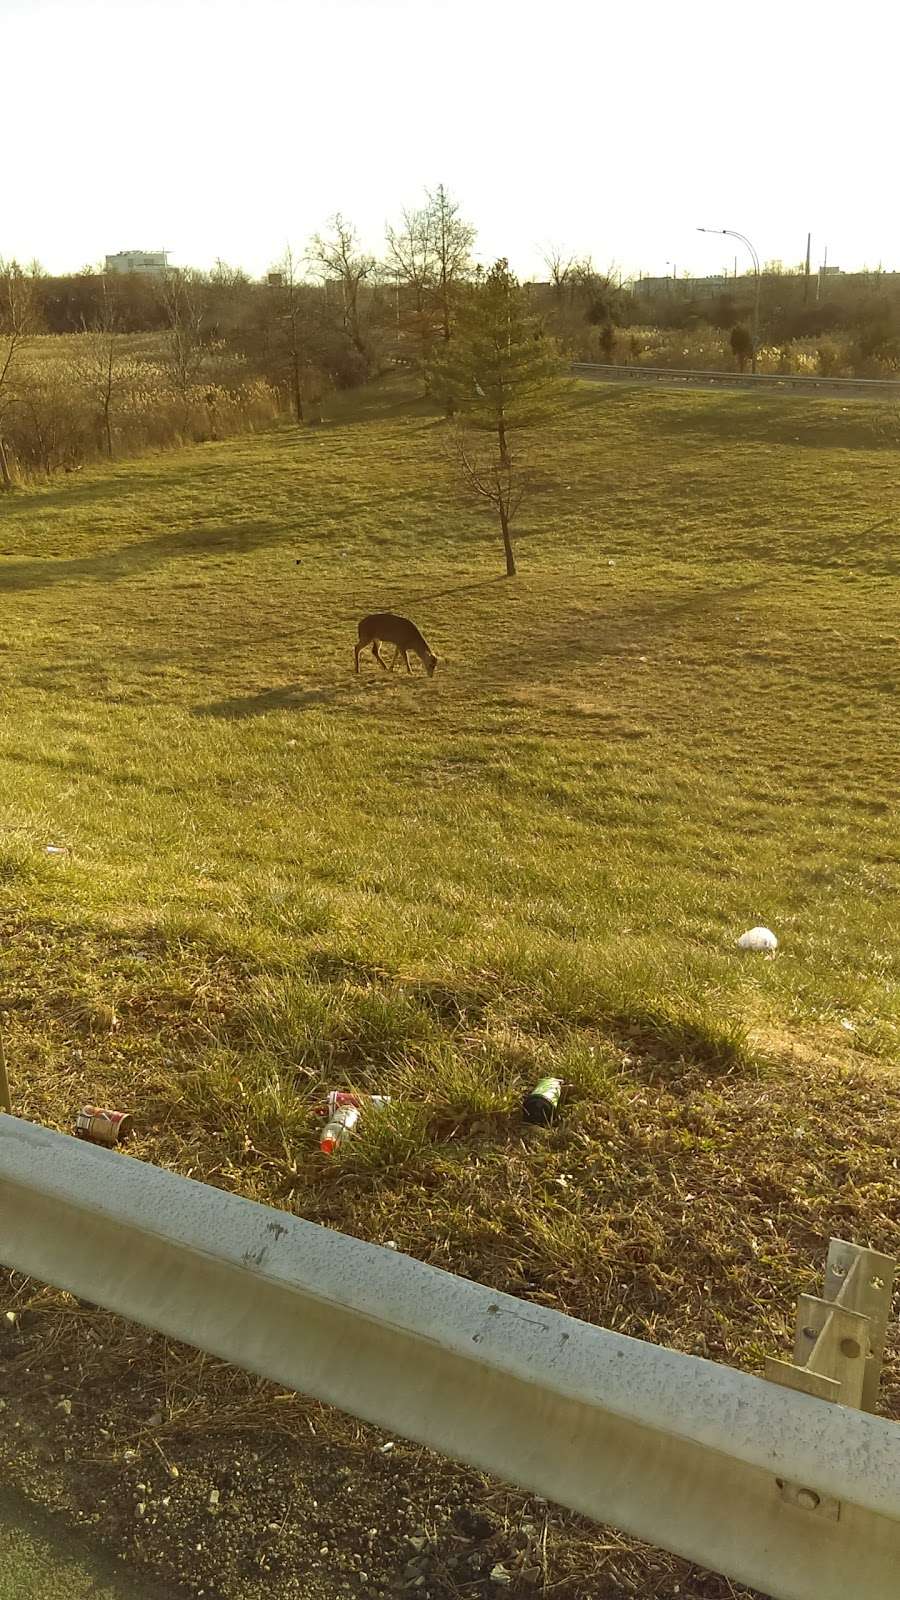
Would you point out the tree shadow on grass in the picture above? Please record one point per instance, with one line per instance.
(77, 767)
(139, 556)
(125, 481)
(792, 420)
(459, 588)
(395, 397)
(284, 697)
(582, 641)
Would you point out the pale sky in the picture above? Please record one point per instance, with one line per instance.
(228, 128)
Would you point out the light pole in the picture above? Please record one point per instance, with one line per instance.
(732, 234)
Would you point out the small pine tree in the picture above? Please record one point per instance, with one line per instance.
(498, 372)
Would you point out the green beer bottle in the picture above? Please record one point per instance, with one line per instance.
(542, 1104)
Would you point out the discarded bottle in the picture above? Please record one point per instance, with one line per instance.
(336, 1098)
(542, 1104)
(343, 1097)
(342, 1121)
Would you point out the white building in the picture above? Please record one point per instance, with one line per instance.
(152, 261)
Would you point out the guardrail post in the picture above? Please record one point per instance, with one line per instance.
(839, 1338)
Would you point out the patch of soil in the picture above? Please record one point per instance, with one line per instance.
(304, 1503)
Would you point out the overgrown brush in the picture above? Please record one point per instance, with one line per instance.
(84, 403)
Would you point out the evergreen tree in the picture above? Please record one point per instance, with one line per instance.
(498, 372)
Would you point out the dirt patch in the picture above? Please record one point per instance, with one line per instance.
(343, 1511)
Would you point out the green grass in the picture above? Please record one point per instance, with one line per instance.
(678, 721)
(38, 1563)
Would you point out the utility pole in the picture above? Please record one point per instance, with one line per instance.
(821, 274)
(732, 233)
(806, 274)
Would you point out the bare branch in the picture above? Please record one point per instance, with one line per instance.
(18, 313)
(453, 245)
(336, 258)
(413, 254)
(494, 478)
(18, 321)
(560, 267)
(183, 303)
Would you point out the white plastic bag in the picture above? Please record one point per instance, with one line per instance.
(758, 939)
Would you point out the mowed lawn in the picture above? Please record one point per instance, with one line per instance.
(273, 877)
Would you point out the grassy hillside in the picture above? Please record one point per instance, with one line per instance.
(272, 877)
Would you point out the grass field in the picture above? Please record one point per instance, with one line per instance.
(273, 877)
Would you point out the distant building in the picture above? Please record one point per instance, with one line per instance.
(151, 261)
(680, 286)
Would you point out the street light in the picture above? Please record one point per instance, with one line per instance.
(732, 234)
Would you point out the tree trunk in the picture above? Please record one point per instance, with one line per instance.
(298, 393)
(6, 482)
(501, 439)
(107, 430)
(507, 541)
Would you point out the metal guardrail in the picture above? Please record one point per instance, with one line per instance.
(748, 380)
(784, 1492)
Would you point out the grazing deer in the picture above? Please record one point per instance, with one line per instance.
(384, 628)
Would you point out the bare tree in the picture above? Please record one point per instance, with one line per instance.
(501, 483)
(101, 365)
(413, 254)
(599, 291)
(18, 322)
(453, 240)
(560, 267)
(182, 300)
(337, 258)
(290, 316)
(43, 421)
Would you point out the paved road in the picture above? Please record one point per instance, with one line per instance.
(39, 1562)
(673, 378)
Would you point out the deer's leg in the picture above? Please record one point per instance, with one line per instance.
(406, 659)
(377, 654)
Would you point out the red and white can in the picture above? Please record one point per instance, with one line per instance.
(99, 1125)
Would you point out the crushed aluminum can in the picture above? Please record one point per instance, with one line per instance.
(99, 1125)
